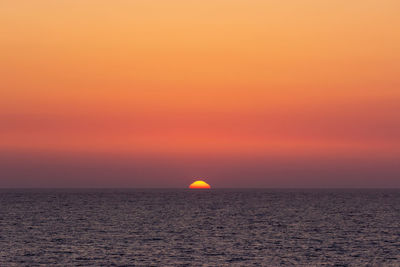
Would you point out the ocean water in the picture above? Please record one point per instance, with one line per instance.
(199, 228)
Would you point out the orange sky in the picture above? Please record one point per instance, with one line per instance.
(195, 78)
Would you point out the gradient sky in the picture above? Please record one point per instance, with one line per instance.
(239, 93)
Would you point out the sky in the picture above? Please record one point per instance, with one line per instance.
(239, 93)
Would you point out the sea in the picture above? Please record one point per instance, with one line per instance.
(182, 227)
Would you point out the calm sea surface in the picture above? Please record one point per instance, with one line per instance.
(199, 228)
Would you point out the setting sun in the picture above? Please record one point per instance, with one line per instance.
(199, 185)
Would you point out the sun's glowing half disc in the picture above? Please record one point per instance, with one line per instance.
(199, 185)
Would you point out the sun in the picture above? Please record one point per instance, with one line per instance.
(199, 185)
